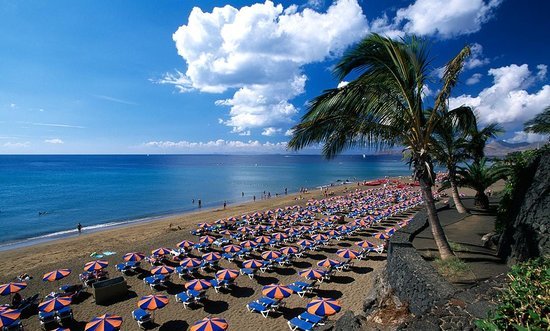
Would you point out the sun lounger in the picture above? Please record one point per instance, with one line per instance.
(64, 316)
(249, 272)
(312, 318)
(142, 317)
(228, 256)
(15, 326)
(298, 324)
(197, 295)
(218, 284)
(156, 282)
(268, 302)
(259, 308)
(185, 299)
(73, 291)
(46, 319)
(267, 266)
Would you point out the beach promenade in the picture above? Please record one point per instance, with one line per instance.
(349, 287)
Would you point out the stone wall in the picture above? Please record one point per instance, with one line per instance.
(529, 234)
(412, 279)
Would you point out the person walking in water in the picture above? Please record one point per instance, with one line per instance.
(79, 228)
(200, 203)
(224, 204)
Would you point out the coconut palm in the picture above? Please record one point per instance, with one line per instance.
(478, 139)
(450, 148)
(540, 124)
(384, 107)
(480, 177)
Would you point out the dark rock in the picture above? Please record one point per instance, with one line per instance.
(348, 322)
(480, 309)
(528, 234)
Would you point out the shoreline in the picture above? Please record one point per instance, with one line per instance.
(74, 246)
(119, 224)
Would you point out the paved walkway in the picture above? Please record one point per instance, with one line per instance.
(464, 232)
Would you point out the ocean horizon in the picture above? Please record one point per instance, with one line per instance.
(44, 197)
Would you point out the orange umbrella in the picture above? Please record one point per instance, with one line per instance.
(197, 284)
(323, 307)
(275, 291)
(105, 322)
(210, 324)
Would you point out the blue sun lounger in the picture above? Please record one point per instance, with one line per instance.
(298, 324)
(257, 307)
(141, 317)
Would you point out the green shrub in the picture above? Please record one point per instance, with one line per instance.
(525, 303)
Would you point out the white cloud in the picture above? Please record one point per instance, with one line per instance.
(54, 141)
(426, 92)
(474, 79)
(342, 84)
(13, 105)
(220, 145)
(57, 125)
(507, 101)
(289, 132)
(16, 145)
(476, 58)
(522, 136)
(260, 50)
(445, 18)
(271, 131)
(117, 100)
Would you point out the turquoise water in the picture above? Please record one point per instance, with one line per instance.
(44, 196)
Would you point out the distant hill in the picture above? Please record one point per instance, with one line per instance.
(501, 148)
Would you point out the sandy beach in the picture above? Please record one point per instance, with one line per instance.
(350, 287)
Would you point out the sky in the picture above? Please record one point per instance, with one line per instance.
(183, 76)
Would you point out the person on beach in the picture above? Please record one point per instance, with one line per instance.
(254, 198)
(200, 203)
(242, 194)
(79, 228)
(286, 191)
(224, 204)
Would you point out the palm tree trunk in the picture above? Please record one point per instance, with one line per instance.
(441, 242)
(481, 200)
(456, 196)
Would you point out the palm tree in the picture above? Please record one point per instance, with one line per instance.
(540, 124)
(383, 107)
(478, 139)
(451, 148)
(479, 177)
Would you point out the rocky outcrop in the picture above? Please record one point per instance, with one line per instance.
(529, 234)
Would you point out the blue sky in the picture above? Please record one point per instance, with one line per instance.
(232, 77)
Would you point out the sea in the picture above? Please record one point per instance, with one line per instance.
(44, 197)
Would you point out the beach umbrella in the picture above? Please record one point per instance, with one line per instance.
(225, 232)
(227, 274)
(56, 275)
(365, 244)
(152, 302)
(248, 243)
(327, 263)
(54, 304)
(305, 242)
(390, 231)
(190, 262)
(260, 227)
(61, 329)
(206, 239)
(271, 255)
(8, 316)
(185, 244)
(96, 265)
(333, 233)
(319, 237)
(347, 253)
(323, 307)
(9, 288)
(232, 248)
(312, 273)
(162, 270)
(276, 291)
(105, 322)
(253, 264)
(381, 235)
(289, 250)
(203, 225)
(212, 256)
(279, 236)
(244, 229)
(133, 257)
(210, 324)
(198, 284)
(263, 240)
(161, 251)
